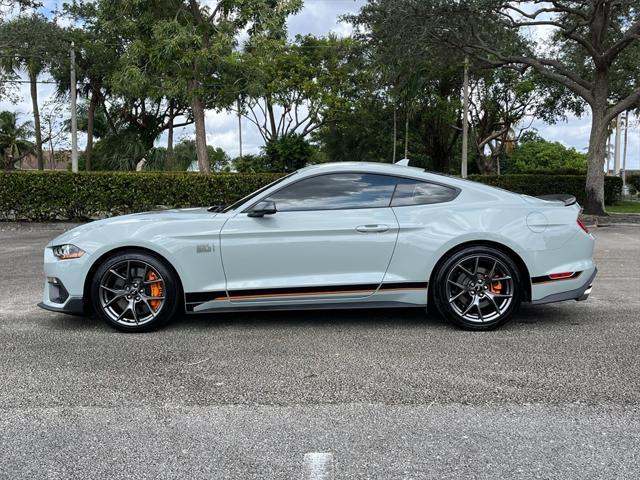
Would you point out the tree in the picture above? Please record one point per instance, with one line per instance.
(538, 155)
(294, 88)
(594, 55)
(179, 49)
(32, 43)
(14, 143)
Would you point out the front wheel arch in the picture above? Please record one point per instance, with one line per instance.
(86, 295)
(525, 280)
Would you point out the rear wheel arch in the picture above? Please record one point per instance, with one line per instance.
(86, 297)
(522, 267)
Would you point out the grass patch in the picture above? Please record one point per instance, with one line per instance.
(626, 206)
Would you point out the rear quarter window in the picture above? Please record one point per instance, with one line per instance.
(415, 192)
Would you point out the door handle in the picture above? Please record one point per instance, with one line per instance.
(372, 228)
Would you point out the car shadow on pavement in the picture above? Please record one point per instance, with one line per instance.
(369, 318)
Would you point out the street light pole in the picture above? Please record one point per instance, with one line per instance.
(616, 158)
(465, 116)
(74, 120)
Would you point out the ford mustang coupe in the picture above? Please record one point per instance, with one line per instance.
(342, 235)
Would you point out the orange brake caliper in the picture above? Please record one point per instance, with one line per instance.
(156, 290)
(496, 287)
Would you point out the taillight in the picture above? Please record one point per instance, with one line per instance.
(582, 225)
(557, 276)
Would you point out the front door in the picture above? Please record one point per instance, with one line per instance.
(332, 235)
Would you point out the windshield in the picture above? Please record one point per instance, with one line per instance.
(236, 204)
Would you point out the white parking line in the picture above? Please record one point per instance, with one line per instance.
(317, 466)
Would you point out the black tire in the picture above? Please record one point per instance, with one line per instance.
(147, 276)
(464, 295)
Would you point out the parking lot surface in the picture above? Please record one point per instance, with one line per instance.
(389, 394)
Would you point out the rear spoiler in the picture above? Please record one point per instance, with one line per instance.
(559, 197)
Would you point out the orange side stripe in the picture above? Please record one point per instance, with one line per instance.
(303, 294)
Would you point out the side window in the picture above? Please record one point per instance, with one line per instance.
(336, 191)
(415, 192)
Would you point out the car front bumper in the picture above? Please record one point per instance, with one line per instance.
(63, 289)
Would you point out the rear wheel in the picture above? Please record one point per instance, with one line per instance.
(478, 288)
(135, 292)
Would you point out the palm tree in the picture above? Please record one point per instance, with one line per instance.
(14, 143)
(32, 44)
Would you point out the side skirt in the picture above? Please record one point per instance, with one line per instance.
(308, 306)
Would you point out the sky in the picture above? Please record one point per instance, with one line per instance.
(320, 17)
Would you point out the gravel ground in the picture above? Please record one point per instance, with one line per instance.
(366, 394)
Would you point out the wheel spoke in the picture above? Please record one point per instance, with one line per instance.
(493, 269)
(151, 282)
(495, 304)
(465, 270)
(499, 279)
(501, 295)
(475, 272)
(153, 298)
(453, 299)
(457, 284)
(469, 307)
(480, 312)
(117, 297)
(151, 310)
(123, 312)
(117, 292)
(133, 310)
(117, 274)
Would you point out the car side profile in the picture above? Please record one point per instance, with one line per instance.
(329, 236)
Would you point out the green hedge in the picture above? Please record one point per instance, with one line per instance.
(634, 181)
(533, 184)
(42, 196)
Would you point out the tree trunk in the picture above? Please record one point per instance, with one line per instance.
(169, 162)
(91, 115)
(36, 118)
(272, 119)
(594, 188)
(197, 106)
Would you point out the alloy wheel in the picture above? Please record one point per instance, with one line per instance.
(132, 292)
(480, 288)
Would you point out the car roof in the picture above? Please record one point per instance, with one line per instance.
(370, 167)
(403, 171)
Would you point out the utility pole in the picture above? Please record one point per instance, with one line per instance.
(395, 138)
(74, 120)
(616, 158)
(623, 173)
(406, 132)
(239, 128)
(465, 116)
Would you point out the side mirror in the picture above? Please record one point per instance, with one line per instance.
(266, 207)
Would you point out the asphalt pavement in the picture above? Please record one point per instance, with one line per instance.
(387, 394)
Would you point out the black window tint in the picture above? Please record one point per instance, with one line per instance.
(336, 191)
(421, 193)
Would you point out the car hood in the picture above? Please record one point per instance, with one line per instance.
(157, 217)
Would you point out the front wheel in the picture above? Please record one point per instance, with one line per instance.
(478, 288)
(135, 292)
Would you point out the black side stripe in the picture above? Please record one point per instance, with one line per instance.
(547, 278)
(194, 299)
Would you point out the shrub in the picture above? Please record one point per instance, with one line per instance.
(634, 181)
(534, 184)
(42, 196)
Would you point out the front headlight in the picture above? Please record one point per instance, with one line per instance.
(68, 251)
